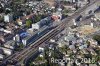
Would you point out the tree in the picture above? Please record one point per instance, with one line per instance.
(88, 43)
(1, 10)
(28, 23)
(97, 38)
(37, 18)
(19, 47)
(31, 64)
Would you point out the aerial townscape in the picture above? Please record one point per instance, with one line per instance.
(49, 32)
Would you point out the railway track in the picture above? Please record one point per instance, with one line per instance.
(26, 52)
(36, 45)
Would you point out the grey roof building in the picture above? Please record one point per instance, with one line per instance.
(10, 44)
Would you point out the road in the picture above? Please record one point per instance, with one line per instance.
(65, 23)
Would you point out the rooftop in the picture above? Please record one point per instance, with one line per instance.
(10, 43)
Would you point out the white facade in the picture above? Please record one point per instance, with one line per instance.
(7, 51)
(16, 38)
(7, 31)
(74, 22)
(35, 26)
(91, 24)
(41, 55)
(41, 49)
(24, 42)
(74, 1)
(1, 56)
(8, 18)
(52, 40)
